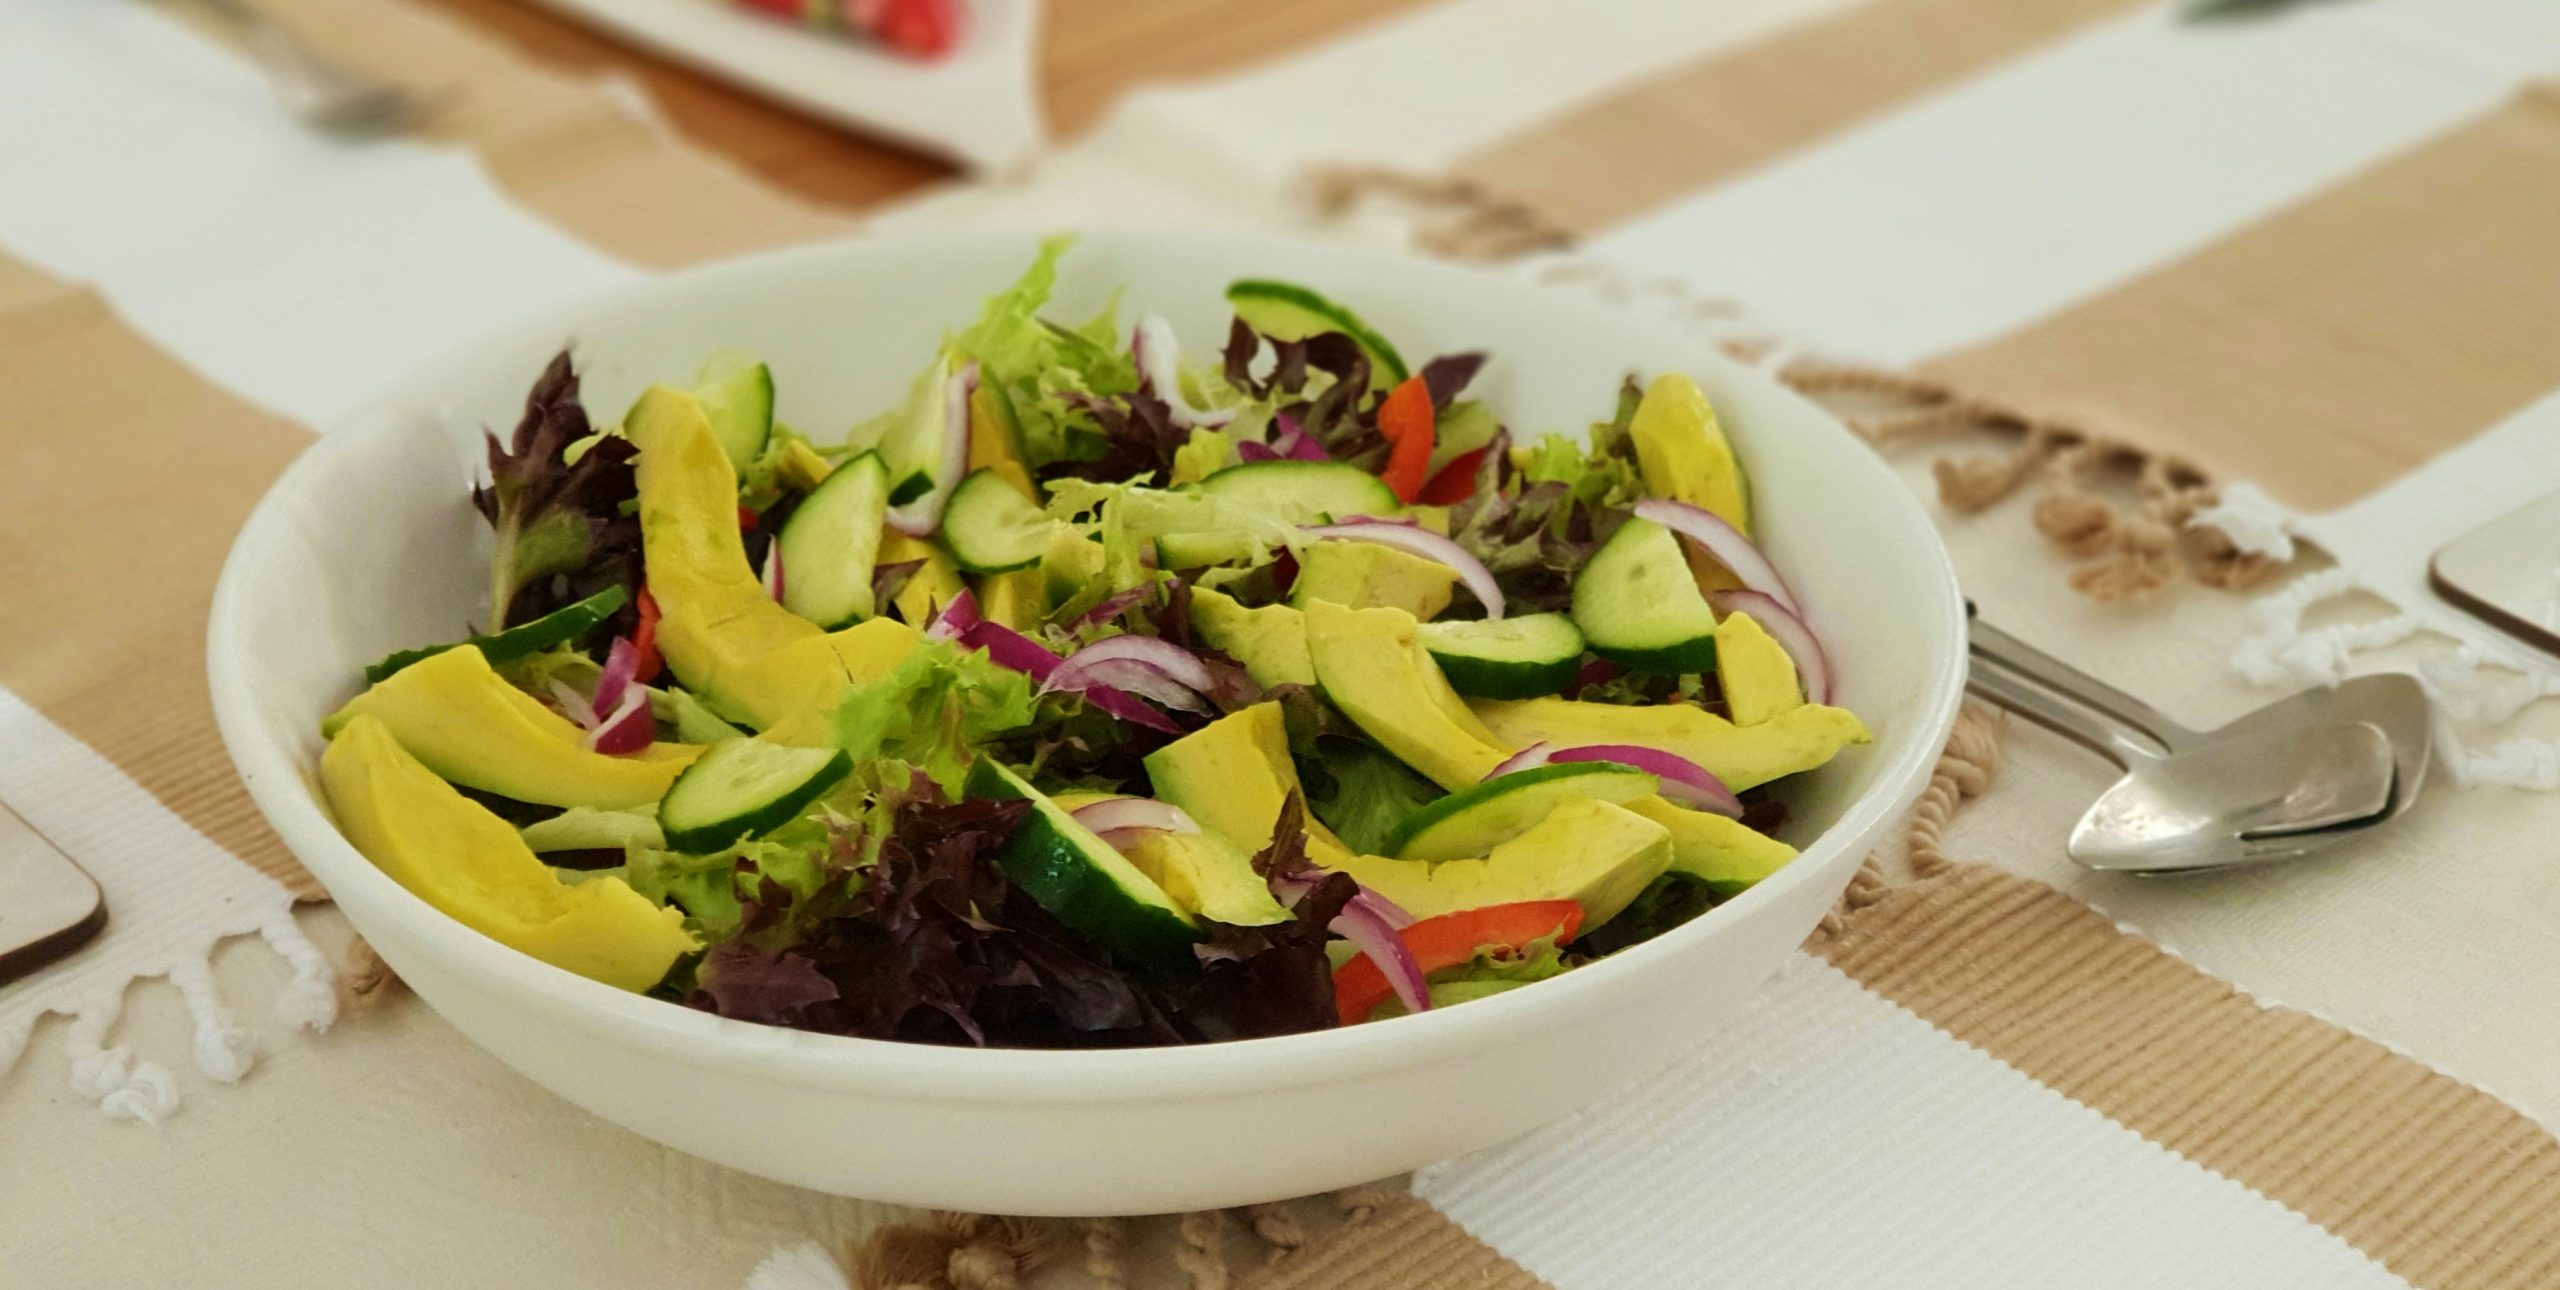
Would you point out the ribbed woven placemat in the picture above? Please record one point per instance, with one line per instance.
(2438, 1181)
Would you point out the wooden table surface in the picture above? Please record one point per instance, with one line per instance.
(1091, 52)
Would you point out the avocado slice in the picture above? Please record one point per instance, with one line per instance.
(463, 721)
(750, 659)
(1365, 575)
(1232, 775)
(714, 617)
(931, 586)
(1759, 679)
(1374, 669)
(1585, 850)
(1208, 875)
(1682, 454)
(456, 855)
(1270, 641)
(1725, 854)
(1742, 756)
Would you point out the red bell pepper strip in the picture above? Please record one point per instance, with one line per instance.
(644, 640)
(1451, 939)
(1456, 481)
(1408, 423)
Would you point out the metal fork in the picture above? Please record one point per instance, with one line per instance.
(319, 91)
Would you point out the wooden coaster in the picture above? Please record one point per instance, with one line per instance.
(48, 905)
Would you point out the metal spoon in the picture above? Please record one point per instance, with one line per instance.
(2283, 781)
(319, 91)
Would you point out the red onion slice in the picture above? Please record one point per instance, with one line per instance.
(1722, 541)
(1251, 451)
(573, 705)
(1683, 780)
(1008, 648)
(1144, 680)
(771, 575)
(1291, 886)
(1813, 664)
(1534, 755)
(1379, 940)
(1141, 814)
(1413, 539)
(1111, 607)
(1159, 359)
(1165, 657)
(922, 516)
(629, 727)
(956, 618)
(1294, 442)
(621, 664)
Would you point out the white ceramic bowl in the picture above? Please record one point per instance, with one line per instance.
(367, 544)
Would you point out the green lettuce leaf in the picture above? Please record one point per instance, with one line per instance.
(1043, 369)
(933, 711)
(1143, 513)
(1364, 793)
(1490, 972)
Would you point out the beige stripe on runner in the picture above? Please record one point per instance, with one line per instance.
(563, 147)
(1672, 135)
(2337, 345)
(2436, 1180)
(119, 495)
(2439, 1182)
(105, 635)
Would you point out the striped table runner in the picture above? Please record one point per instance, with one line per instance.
(2316, 253)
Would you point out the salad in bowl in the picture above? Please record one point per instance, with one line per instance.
(1114, 688)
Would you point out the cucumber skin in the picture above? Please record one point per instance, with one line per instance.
(1441, 810)
(1050, 867)
(1479, 678)
(1257, 292)
(1676, 660)
(712, 837)
(567, 623)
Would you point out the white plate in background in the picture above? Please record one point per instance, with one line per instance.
(979, 107)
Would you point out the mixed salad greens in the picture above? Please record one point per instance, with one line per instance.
(1092, 696)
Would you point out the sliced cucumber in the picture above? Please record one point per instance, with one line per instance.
(1472, 822)
(1305, 491)
(559, 627)
(991, 527)
(740, 406)
(742, 788)
(1506, 658)
(909, 437)
(1287, 311)
(832, 542)
(1081, 879)
(1638, 605)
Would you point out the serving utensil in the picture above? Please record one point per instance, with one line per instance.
(319, 91)
(2285, 780)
